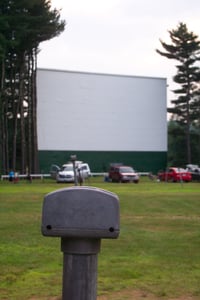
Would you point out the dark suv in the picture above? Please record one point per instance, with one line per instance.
(121, 173)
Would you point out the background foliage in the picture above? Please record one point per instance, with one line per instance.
(24, 25)
(184, 128)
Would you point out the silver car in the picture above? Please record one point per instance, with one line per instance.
(66, 173)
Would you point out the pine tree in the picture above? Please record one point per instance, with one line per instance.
(24, 25)
(185, 48)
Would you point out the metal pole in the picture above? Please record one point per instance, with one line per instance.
(81, 216)
(80, 262)
(73, 159)
(75, 175)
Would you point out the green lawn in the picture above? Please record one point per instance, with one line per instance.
(158, 250)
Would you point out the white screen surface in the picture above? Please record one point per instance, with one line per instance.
(99, 112)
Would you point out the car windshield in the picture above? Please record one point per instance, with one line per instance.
(67, 168)
(179, 170)
(126, 170)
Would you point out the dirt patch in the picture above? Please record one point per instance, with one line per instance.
(130, 295)
(141, 295)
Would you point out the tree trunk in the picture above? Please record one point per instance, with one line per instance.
(188, 139)
(188, 144)
(22, 117)
(34, 115)
(2, 154)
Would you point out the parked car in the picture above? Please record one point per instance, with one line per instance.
(66, 173)
(194, 170)
(121, 173)
(174, 174)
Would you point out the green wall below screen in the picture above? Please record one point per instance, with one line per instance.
(99, 160)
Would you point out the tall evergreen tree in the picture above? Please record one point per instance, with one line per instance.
(185, 48)
(24, 25)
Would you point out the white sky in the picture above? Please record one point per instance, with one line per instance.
(118, 36)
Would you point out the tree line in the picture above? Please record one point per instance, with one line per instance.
(184, 126)
(24, 24)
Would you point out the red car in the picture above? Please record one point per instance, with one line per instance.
(120, 173)
(174, 175)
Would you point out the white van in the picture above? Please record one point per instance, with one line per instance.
(66, 173)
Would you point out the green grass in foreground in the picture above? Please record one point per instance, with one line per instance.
(157, 251)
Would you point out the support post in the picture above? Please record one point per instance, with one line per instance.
(80, 261)
(81, 216)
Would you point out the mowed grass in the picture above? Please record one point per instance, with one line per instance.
(158, 250)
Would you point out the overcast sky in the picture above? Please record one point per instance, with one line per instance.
(118, 36)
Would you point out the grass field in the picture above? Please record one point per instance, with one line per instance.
(158, 251)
